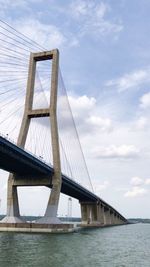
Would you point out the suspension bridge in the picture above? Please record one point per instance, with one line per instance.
(46, 151)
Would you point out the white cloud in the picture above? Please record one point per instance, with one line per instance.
(147, 181)
(100, 187)
(83, 8)
(23, 5)
(122, 151)
(145, 101)
(142, 123)
(136, 181)
(131, 80)
(42, 33)
(103, 124)
(81, 104)
(135, 192)
(82, 108)
(5, 4)
(91, 16)
(121, 188)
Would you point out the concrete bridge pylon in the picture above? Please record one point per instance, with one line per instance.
(13, 213)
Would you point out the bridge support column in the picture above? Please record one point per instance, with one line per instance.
(92, 214)
(84, 213)
(116, 219)
(120, 221)
(52, 206)
(112, 218)
(100, 214)
(13, 214)
(107, 217)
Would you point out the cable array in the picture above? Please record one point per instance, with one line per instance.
(70, 139)
(15, 51)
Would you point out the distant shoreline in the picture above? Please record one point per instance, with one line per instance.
(138, 220)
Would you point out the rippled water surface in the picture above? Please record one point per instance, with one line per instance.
(119, 246)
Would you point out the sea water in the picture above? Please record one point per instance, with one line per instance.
(118, 246)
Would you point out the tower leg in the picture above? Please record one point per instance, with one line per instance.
(50, 216)
(13, 214)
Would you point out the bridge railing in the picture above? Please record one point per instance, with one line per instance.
(25, 149)
(34, 155)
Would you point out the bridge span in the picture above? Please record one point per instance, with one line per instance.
(30, 170)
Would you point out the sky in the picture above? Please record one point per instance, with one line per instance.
(104, 59)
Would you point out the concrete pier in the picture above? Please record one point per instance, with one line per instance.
(100, 214)
(107, 217)
(96, 214)
(90, 214)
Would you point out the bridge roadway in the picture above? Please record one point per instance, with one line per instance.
(16, 160)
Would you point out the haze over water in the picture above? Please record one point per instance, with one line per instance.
(121, 246)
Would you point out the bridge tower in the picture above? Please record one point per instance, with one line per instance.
(13, 214)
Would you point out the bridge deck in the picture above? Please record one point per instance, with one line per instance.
(18, 161)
